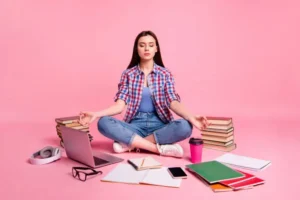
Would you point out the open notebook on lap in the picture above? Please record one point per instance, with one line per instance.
(78, 148)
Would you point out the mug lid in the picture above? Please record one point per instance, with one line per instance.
(196, 141)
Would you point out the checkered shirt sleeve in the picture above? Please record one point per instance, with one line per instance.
(123, 89)
(170, 93)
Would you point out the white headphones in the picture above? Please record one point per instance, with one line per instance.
(48, 154)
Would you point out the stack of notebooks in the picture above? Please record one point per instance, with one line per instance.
(71, 122)
(245, 162)
(141, 171)
(220, 177)
(219, 135)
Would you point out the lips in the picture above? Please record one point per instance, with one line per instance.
(146, 54)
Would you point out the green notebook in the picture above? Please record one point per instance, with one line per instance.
(214, 171)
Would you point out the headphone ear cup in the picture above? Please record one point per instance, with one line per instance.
(46, 152)
(55, 151)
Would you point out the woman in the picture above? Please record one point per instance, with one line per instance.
(147, 88)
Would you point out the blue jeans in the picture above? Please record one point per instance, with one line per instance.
(145, 124)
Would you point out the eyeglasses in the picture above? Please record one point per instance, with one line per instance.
(77, 172)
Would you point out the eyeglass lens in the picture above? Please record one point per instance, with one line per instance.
(81, 175)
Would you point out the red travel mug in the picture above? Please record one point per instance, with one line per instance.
(196, 146)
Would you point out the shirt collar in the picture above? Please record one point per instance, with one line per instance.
(155, 69)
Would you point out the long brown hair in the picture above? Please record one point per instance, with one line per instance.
(135, 60)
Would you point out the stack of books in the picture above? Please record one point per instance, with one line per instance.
(219, 135)
(220, 177)
(71, 122)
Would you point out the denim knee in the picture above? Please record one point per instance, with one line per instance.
(183, 128)
(103, 125)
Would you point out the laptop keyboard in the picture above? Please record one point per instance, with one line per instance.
(99, 161)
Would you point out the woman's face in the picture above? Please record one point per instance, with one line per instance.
(146, 47)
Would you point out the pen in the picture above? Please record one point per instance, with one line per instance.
(142, 162)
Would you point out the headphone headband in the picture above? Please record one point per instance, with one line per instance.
(47, 157)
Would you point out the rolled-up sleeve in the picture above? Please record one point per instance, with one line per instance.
(123, 89)
(170, 93)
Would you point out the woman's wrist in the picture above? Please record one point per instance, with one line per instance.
(99, 114)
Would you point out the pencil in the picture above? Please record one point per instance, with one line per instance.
(142, 162)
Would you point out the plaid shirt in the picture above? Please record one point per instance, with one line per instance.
(161, 85)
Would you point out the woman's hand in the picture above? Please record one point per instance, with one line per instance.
(86, 118)
(200, 122)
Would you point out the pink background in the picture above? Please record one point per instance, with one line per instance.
(229, 58)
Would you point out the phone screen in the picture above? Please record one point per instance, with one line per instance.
(177, 172)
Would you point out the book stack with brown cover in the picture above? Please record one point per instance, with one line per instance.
(219, 135)
(71, 122)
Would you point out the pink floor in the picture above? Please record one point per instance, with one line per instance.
(278, 141)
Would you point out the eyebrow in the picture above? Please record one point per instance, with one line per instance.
(145, 42)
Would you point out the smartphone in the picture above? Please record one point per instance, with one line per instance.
(177, 172)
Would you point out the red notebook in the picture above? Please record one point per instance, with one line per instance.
(246, 177)
(251, 182)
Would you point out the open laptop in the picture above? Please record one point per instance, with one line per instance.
(78, 148)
